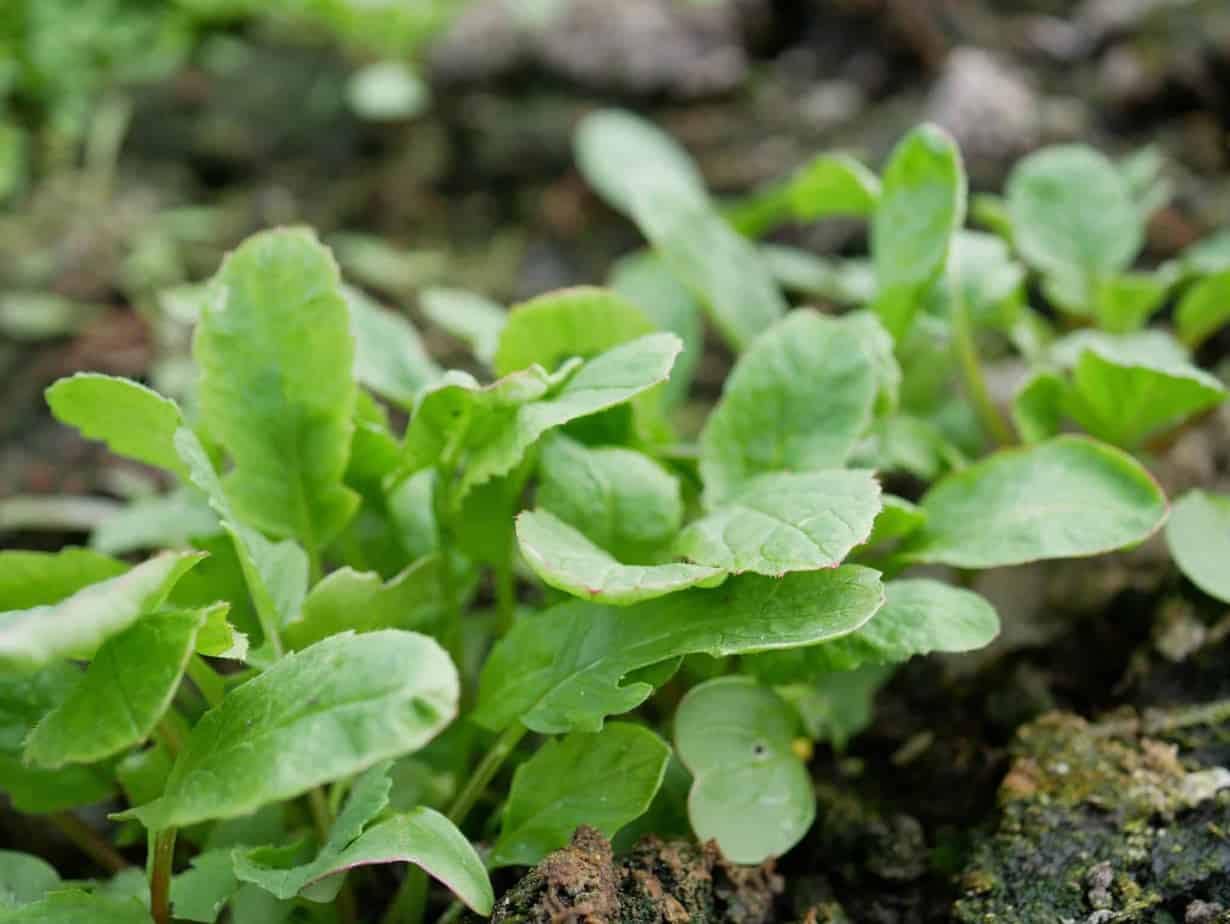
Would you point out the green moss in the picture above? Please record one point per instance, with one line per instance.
(1100, 824)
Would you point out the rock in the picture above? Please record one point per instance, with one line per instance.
(1100, 823)
(638, 47)
(659, 882)
(991, 109)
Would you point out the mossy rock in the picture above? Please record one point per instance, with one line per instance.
(1102, 823)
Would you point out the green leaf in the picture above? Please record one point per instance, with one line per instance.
(897, 519)
(644, 279)
(830, 184)
(919, 616)
(1037, 409)
(905, 443)
(329, 711)
(164, 521)
(723, 269)
(836, 707)
(561, 670)
(1123, 389)
(621, 155)
(921, 207)
(623, 501)
(133, 420)
(846, 281)
(750, 792)
(1204, 309)
(71, 907)
(468, 316)
(389, 357)
(785, 522)
(565, 559)
(24, 700)
(990, 280)
(24, 879)
(1073, 214)
(1198, 534)
(218, 638)
(30, 579)
(275, 352)
(126, 689)
(1123, 303)
(276, 574)
(367, 798)
(362, 601)
(427, 839)
(77, 625)
(1208, 256)
(491, 428)
(798, 400)
(201, 893)
(582, 321)
(1065, 498)
(553, 792)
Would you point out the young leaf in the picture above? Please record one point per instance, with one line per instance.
(836, 707)
(24, 700)
(798, 400)
(77, 625)
(644, 279)
(30, 579)
(425, 838)
(276, 574)
(134, 421)
(921, 206)
(126, 689)
(565, 559)
(1125, 403)
(1198, 534)
(171, 520)
(1204, 309)
(329, 711)
(830, 184)
(367, 798)
(362, 601)
(750, 791)
(389, 357)
(492, 428)
(723, 269)
(468, 316)
(1037, 409)
(623, 501)
(919, 616)
(1073, 214)
(846, 281)
(785, 522)
(566, 669)
(897, 519)
(201, 893)
(553, 792)
(275, 352)
(582, 321)
(72, 907)
(1123, 303)
(24, 879)
(1068, 497)
(621, 154)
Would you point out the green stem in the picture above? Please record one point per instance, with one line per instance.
(506, 593)
(206, 679)
(485, 772)
(411, 898)
(971, 369)
(160, 876)
(322, 818)
(86, 839)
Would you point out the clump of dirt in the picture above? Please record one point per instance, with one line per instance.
(1101, 823)
(658, 882)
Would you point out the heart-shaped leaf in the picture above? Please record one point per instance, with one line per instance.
(750, 791)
